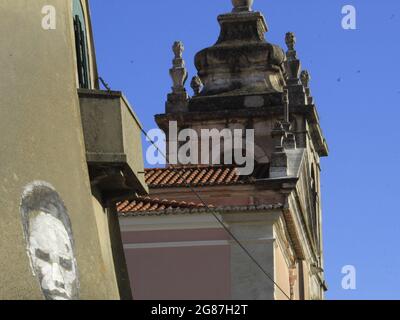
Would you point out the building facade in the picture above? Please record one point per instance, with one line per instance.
(61, 171)
(220, 234)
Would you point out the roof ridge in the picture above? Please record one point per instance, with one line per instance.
(197, 210)
(149, 204)
(194, 166)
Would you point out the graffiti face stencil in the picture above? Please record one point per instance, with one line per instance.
(50, 245)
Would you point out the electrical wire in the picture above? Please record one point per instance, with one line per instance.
(208, 208)
(219, 220)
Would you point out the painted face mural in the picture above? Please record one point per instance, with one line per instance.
(50, 246)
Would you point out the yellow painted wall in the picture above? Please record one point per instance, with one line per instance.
(41, 139)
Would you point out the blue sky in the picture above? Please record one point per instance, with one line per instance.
(356, 84)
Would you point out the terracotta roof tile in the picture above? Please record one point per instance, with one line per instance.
(182, 177)
(202, 176)
(147, 204)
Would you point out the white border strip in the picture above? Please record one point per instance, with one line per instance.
(183, 244)
(176, 244)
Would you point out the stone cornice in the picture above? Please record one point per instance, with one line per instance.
(310, 111)
(222, 209)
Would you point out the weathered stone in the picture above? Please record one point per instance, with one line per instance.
(178, 100)
(242, 5)
(297, 94)
(290, 141)
(254, 101)
(285, 102)
(278, 134)
(241, 62)
(279, 165)
(196, 85)
(233, 102)
(305, 80)
(293, 65)
(178, 72)
(290, 41)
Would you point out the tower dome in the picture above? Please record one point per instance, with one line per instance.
(241, 61)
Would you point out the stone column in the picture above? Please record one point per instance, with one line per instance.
(256, 233)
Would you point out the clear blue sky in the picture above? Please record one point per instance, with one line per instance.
(356, 84)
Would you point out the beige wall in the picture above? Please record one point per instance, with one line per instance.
(41, 139)
(106, 248)
(282, 274)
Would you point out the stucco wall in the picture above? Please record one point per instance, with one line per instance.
(178, 264)
(281, 274)
(255, 232)
(106, 248)
(41, 139)
(193, 257)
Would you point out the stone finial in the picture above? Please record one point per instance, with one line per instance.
(290, 40)
(178, 72)
(305, 78)
(292, 64)
(305, 81)
(178, 99)
(178, 49)
(196, 85)
(242, 5)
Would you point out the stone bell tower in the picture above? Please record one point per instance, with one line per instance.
(245, 82)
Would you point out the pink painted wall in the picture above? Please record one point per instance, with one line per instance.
(179, 273)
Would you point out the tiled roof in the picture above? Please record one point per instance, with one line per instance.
(198, 210)
(147, 204)
(189, 176)
(202, 176)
